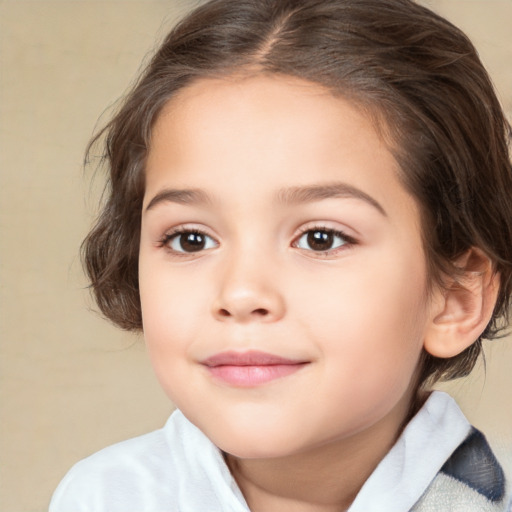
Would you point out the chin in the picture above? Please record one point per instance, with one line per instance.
(247, 450)
(258, 443)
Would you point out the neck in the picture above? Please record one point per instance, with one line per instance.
(325, 478)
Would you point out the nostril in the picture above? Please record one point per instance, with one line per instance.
(224, 312)
(260, 312)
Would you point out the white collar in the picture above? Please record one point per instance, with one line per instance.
(396, 484)
(413, 462)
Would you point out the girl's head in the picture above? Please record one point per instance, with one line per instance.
(415, 77)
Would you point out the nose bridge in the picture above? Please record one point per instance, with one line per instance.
(247, 286)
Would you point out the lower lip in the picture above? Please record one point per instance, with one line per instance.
(250, 376)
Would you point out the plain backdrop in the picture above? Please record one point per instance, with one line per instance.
(70, 383)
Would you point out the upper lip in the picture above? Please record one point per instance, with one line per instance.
(250, 358)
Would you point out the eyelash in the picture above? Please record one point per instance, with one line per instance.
(175, 233)
(348, 241)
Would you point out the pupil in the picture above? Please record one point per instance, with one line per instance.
(320, 240)
(192, 242)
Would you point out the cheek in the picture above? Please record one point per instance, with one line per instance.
(170, 307)
(373, 314)
(165, 331)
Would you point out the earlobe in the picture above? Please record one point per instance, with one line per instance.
(463, 308)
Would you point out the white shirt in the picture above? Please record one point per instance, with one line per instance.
(178, 469)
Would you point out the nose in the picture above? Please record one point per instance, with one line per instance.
(248, 291)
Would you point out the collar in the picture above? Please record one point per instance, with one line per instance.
(396, 484)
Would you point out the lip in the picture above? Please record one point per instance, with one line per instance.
(249, 369)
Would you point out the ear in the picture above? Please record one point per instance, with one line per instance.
(462, 308)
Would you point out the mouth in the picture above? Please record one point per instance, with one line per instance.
(250, 369)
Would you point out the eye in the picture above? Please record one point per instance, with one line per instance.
(322, 240)
(189, 241)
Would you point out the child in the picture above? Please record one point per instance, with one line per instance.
(309, 217)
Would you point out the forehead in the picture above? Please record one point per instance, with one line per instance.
(255, 134)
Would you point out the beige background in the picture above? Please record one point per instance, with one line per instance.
(69, 383)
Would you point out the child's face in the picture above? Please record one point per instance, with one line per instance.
(294, 239)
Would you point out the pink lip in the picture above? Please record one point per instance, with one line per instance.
(248, 369)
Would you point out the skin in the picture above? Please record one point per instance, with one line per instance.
(356, 314)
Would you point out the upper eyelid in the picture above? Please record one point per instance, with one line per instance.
(184, 228)
(169, 236)
(305, 228)
(332, 253)
(322, 226)
(337, 233)
(172, 233)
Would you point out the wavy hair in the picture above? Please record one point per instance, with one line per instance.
(415, 73)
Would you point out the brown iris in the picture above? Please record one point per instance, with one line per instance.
(192, 242)
(320, 240)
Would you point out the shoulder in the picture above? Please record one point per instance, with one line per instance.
(118, 477)
(448, 493)
(439, 463)
(471, 479)
(173, 469)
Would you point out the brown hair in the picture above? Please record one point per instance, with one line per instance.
(399, 61)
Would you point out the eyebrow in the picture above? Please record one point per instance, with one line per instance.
(289, 196)
(311, 193)
(183, 196)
